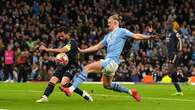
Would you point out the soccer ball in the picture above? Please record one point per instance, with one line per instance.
(61, 59)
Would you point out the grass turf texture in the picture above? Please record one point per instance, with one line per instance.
(22, 96)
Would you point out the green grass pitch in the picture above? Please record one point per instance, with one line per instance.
(22, 96)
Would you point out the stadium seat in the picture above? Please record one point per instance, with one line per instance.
(148, 79)
(193, 79)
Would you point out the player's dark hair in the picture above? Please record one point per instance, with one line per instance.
(62, 29)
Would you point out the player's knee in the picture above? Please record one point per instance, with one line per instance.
(86, 69)
(51, 83)
(64, 85)
(67, 84)
(54, 80)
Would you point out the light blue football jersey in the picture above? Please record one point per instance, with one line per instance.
(114, 42)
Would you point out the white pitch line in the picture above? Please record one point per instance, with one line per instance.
(169, 99)
(105, 95)
(149, 98)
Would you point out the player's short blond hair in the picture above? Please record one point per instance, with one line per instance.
(116, 17)
(175, 25)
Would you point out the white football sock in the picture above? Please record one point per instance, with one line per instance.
(71, 88)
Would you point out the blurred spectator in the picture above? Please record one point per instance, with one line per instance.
(29, 23)
(23, 65)
(34, 73)
(9, 63)
(2, 46)
(193, 71)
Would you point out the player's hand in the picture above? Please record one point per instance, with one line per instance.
(154, 37)
(42, 47)
(42, 43)
(80, 50)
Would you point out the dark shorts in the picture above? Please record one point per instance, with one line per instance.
(174, 59)
(68, 71)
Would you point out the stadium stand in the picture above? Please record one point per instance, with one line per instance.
(25, 24)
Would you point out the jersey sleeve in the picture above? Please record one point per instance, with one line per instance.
(126, 33)
(179, 42)
(103, 41)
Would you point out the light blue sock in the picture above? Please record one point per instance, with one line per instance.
(119, 88)
(79, 79)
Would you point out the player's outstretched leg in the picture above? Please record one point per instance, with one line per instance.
(135, 95)
(119, 88)
(78, 80)
(80, 92)
(47, 92)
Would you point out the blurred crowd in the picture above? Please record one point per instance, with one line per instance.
(26, 24)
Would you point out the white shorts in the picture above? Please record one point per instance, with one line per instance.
(109, 67)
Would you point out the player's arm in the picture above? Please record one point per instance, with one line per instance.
(92, 48)
(179, 41)
(127, 34)
(56, 50)
(142, 37)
